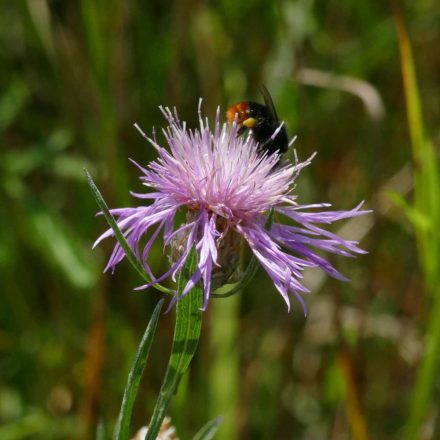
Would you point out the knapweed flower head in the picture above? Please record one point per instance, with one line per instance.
(227, 188)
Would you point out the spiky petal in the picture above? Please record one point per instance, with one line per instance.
(227, 187)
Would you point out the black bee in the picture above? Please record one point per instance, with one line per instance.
(263, 121)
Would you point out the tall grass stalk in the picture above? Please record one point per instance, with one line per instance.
(425, 214)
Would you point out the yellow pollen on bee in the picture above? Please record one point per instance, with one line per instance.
(249, 122)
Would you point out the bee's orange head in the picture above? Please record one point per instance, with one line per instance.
(241, 109)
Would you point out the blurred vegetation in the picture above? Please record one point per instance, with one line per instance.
(76, 75)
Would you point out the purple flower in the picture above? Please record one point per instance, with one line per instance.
(227, 189)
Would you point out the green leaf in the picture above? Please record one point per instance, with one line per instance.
(426, 172)
(208, 431)
(122, 429)
(417, 218)
(131, 257)
(187, 332)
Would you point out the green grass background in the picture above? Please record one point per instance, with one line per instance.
(75, 76)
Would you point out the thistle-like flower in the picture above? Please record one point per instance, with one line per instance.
(227, 188)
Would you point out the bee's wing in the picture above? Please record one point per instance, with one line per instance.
(269, 102)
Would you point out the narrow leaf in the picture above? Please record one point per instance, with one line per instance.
(208, 431)
(122, 430)
(419, 219)
(427, 206)
(131, 257)
(187, 332)
(426, 173)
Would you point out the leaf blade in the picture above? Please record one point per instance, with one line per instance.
(208, 430)
(187, 332)
(122, 429)
(131, 257)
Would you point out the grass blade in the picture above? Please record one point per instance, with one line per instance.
(427, 206)
(187, 332)
(122, 430)
(208, 430)
(426, 172)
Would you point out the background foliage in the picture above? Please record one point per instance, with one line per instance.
(74, 77)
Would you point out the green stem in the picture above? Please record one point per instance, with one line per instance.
(426, 176)
(187, 332)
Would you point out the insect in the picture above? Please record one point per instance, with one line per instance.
(263, 122)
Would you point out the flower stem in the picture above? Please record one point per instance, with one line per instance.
(224, 375)
(186, 337)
